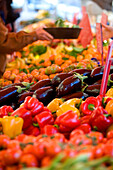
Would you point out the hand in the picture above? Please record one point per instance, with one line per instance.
(43, 35)
(107, 31)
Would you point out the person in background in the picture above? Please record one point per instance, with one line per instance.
(104, 4)
(11, 15)
(10, 42)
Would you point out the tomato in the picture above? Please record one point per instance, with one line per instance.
(21, 137)
(28, 160)
(80, 140)
(4, 141)
(97, 136)
(53, 149)
(76, 132)
(59, 137)
(14, 144)
(110, 134)
(29, 149)
(45, 161)
(98, 151)
(108, 150)
(12, 156)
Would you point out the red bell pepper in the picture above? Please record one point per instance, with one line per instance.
(86, 128)
(32, 130)
(99, 120)
(33, 105)
(25, 115)
(44, 118)
(85, 119)
(89, 105)
(5, 111)
(67, 121)
(49, 130)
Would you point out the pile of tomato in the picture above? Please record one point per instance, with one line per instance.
(28, 66)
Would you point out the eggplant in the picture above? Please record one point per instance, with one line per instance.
(45, 94)
(68, 86)
(96, 70)
(96, 75)
(39, 84)
(59, 78)
(80, 71)
(93, 90)
(21, 97)
(13, 84)
(79, 94)
(8, 95)
(88, 79)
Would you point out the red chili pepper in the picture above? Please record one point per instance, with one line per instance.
(100, 120)
(5, 111)
(33, 105)
(25, 115)
(67, 121)
(89, 105)
(49, 130)
(86, 128)
(44, 118)
(85, 119)
(32, 130)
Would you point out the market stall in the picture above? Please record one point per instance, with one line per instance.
(56, 101)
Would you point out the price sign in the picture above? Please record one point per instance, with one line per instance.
(85, 36)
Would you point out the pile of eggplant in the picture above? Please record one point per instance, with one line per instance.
(78, 83)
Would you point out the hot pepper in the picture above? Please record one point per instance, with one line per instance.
(33, 105)
(32, 130)
(11, 126)
(68, 105)
(5, 110)
(44, 118)
(53, 106)
(25, 115)
(89, 105)
(67, 121)
(99, 120)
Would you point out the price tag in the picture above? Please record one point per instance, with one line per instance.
(75, 18)
(104, 18)
(85, 36)
(83, 10)
(99, 39)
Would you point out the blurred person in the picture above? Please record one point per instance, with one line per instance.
(11, 15)
(10, 42)
(104, 4)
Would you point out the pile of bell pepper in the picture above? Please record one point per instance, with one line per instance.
(71, 127)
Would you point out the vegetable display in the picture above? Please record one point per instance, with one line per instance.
(51, 114)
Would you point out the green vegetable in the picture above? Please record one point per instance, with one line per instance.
(41, 61)
(37, 49)
(59, 22)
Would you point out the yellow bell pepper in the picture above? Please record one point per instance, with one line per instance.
(53, 106)
(11, 125)
(109, 107)
(69, 105)
(110, 92)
